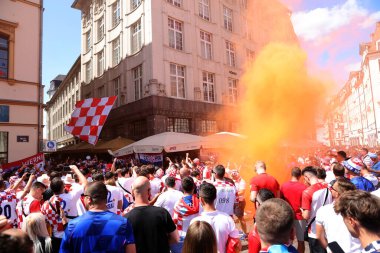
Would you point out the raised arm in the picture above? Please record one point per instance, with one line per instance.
(82, 179)
(28, 186)
(113, 167)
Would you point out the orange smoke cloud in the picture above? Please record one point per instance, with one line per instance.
(280, 104)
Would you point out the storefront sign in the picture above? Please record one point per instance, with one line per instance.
(22, 138)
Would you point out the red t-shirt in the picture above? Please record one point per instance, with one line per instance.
(312, 193)
(264, 181)
(254, 243)
(292, 193)
(35, 206)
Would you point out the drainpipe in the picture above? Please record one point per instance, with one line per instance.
(40, 101)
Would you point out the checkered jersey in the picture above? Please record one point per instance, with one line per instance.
(88, 118)
(26, 206)
(50, 211)
(97, 232)
(8, 203)
(128, 209)
(372, 247)
(226, 196)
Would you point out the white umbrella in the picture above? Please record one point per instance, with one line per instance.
(168, 141)
(222, 140)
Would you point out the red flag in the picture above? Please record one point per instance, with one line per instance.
(88, 118)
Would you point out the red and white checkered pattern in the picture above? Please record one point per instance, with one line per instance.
(52, 217)
(8, 202)
(88, 118)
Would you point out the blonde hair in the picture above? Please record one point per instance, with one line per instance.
(35, 227)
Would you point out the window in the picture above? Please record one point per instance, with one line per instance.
(100, 63)
(232, 91)
(101, 91)
(88, 41)
(204, 9)
(177, 80)
(179, 125)
(99, 3)
(230, 53)
(100, 32)
(206, 47)
(136, 36)
(135, 4)
(4, 113)
(139, 128)
(116, 13)
(227, 16)
(209, 126)
(244, 4)
(208, 80)
(175, 34)
(250, 55)
(4, 55)
(116, 88)
(77, 95)
(116, 56)
(138, 82)
(177, 3)
(88, 68)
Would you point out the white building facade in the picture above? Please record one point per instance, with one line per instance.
(21, 91)
(64, 92)
(173, 64)
(359, 101)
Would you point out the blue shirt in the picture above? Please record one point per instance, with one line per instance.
(362, 183)
(376, 166)
(280, 248)
(188, 200)
(97, 232)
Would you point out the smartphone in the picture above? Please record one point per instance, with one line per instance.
(335, 248)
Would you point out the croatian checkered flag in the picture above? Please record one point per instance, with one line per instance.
(88, 118)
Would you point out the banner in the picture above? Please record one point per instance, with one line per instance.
(155, 159)
(38, 159)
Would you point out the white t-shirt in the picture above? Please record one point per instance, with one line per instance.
(156, 186)
(70, 199)
(336, 230)
(374, 180)
(329, 176)
(8, 202)
(223, 226)
(240, 186)
(126, 182)
(376, 193)
(113, 197)
(226, 196)
(168, 199)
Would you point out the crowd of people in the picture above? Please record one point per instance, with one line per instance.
(332, 202)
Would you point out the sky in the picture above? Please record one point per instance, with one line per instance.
(330, 31)
(61, 39)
